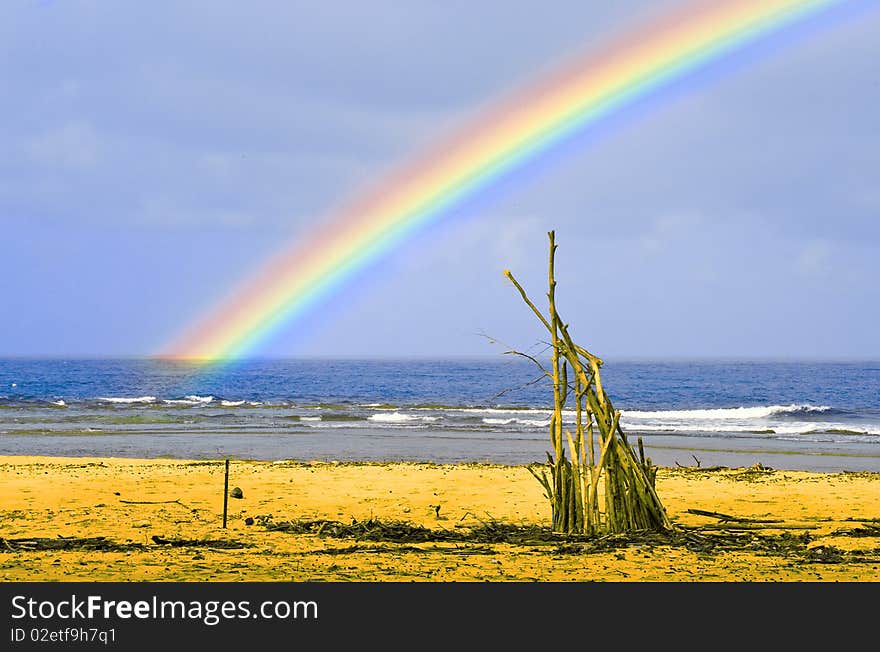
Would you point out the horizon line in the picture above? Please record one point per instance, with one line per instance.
(437, 357)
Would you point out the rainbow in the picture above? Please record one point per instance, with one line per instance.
(578, 95)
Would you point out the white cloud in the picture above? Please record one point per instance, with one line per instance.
(667, 230)
(814, 259)
(74, 146)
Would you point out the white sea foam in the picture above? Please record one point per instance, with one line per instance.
(835, 431)
(59, 403)
(793, 429)
(398, 417)
(737, 413)
(517, 413)
(523, 422)
(231, 403)
(506, 411)
(534, 422)
(139, 399)
(310, 418)
(349, 425)
(189, 400)
(739, 421)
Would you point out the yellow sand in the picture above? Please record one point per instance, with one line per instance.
(83, 497)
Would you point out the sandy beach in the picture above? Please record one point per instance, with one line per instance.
(112, 519)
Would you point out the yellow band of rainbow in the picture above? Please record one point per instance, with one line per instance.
(584, 92)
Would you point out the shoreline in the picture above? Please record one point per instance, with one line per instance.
(800, 526)
(345, 445)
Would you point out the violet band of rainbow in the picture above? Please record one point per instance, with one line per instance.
(507, 136)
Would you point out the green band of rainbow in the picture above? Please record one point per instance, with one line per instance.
(581, 94)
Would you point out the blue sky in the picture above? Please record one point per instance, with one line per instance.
(157, 152)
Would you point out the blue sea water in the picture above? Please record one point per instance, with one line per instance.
(821, 416)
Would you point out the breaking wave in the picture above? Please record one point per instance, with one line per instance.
(398, 417)
(189, 400)
(760, 412)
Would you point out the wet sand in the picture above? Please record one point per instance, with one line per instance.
(366, 445)
(803, 526)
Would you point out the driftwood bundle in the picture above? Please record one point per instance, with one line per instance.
(598, 449)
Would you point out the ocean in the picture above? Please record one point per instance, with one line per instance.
(790, 415)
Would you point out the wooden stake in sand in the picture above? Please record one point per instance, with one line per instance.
(225, 492)
(572, 485)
